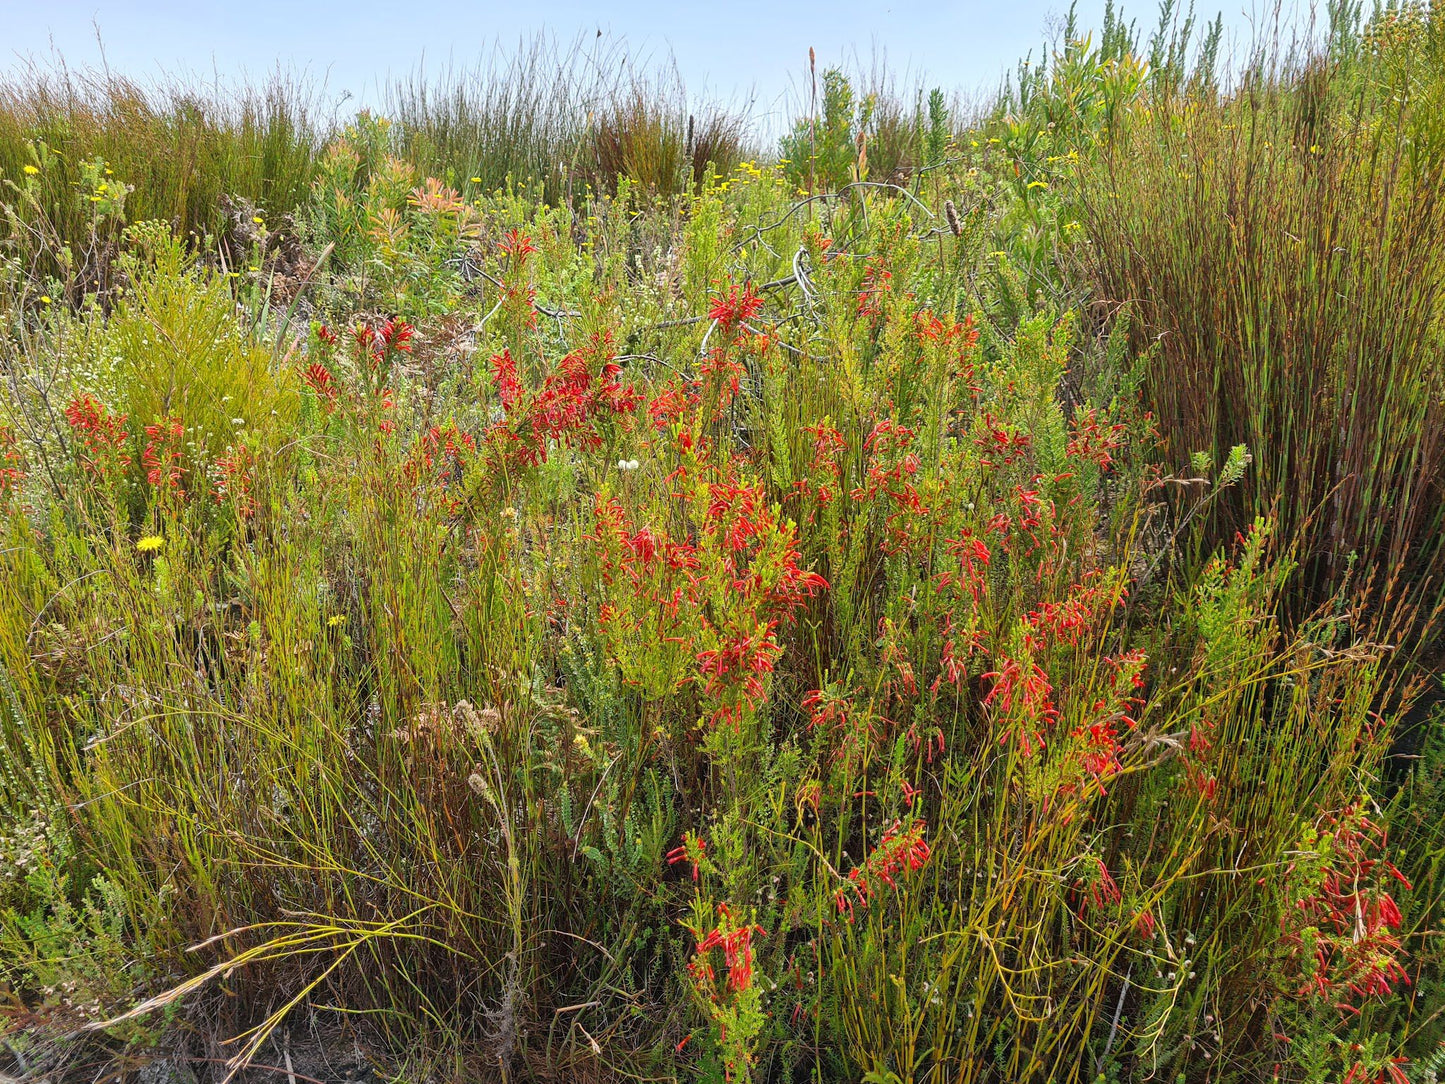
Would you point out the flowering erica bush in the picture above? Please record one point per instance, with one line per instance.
(703, 641)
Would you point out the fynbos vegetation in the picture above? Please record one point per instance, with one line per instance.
(533, 587)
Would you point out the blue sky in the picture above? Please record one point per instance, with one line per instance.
(739, 51)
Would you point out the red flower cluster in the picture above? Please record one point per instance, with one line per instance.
(643, 553)
(724, 375)
(740, 517)
(1144, 925)
(671, 404)
(973, 559)
(737, 945)
(736, 308)
(162, 455)
(693, 849)
(825, 467)
(1099, 891)
(504, 379)
(437, 463)
(1100, 732)
(1356, 953)
(379, 347)
(103, 434)
(396, 335)
(1070, 618)
(892, 466)
(900, 849)
(1390, 1074)
(318, 378)
(828, 445)
(12, 474)
(1001, 445)
(1195, 760)
(1030, 692)
(707, 607)
(960, 337)
(584, 388)
(877, 281)
(853, 729)
(1092, 441)
(386, 399)
(739, 663)
(517, 245)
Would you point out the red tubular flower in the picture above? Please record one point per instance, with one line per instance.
(1000, 445)
(11, 472)
(1100, 891)
(737, 946)
(504, 379)
(693, 849)
(725, 375)
(396, 335)
(1144, 925)
(877, 281)
(103, 434)
(318, 378)
(901, 849)
(1356, 953)
(740, 663)
(1091, 441)
(162, 455)
(1028, 691)
(614, 395)
(571, 405)
(517, 245)
(736, 308)
(852, 729)
(670, 405)
(828, 446)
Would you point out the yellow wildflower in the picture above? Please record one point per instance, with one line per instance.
(150, 543)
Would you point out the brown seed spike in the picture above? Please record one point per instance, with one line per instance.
(950, 212)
